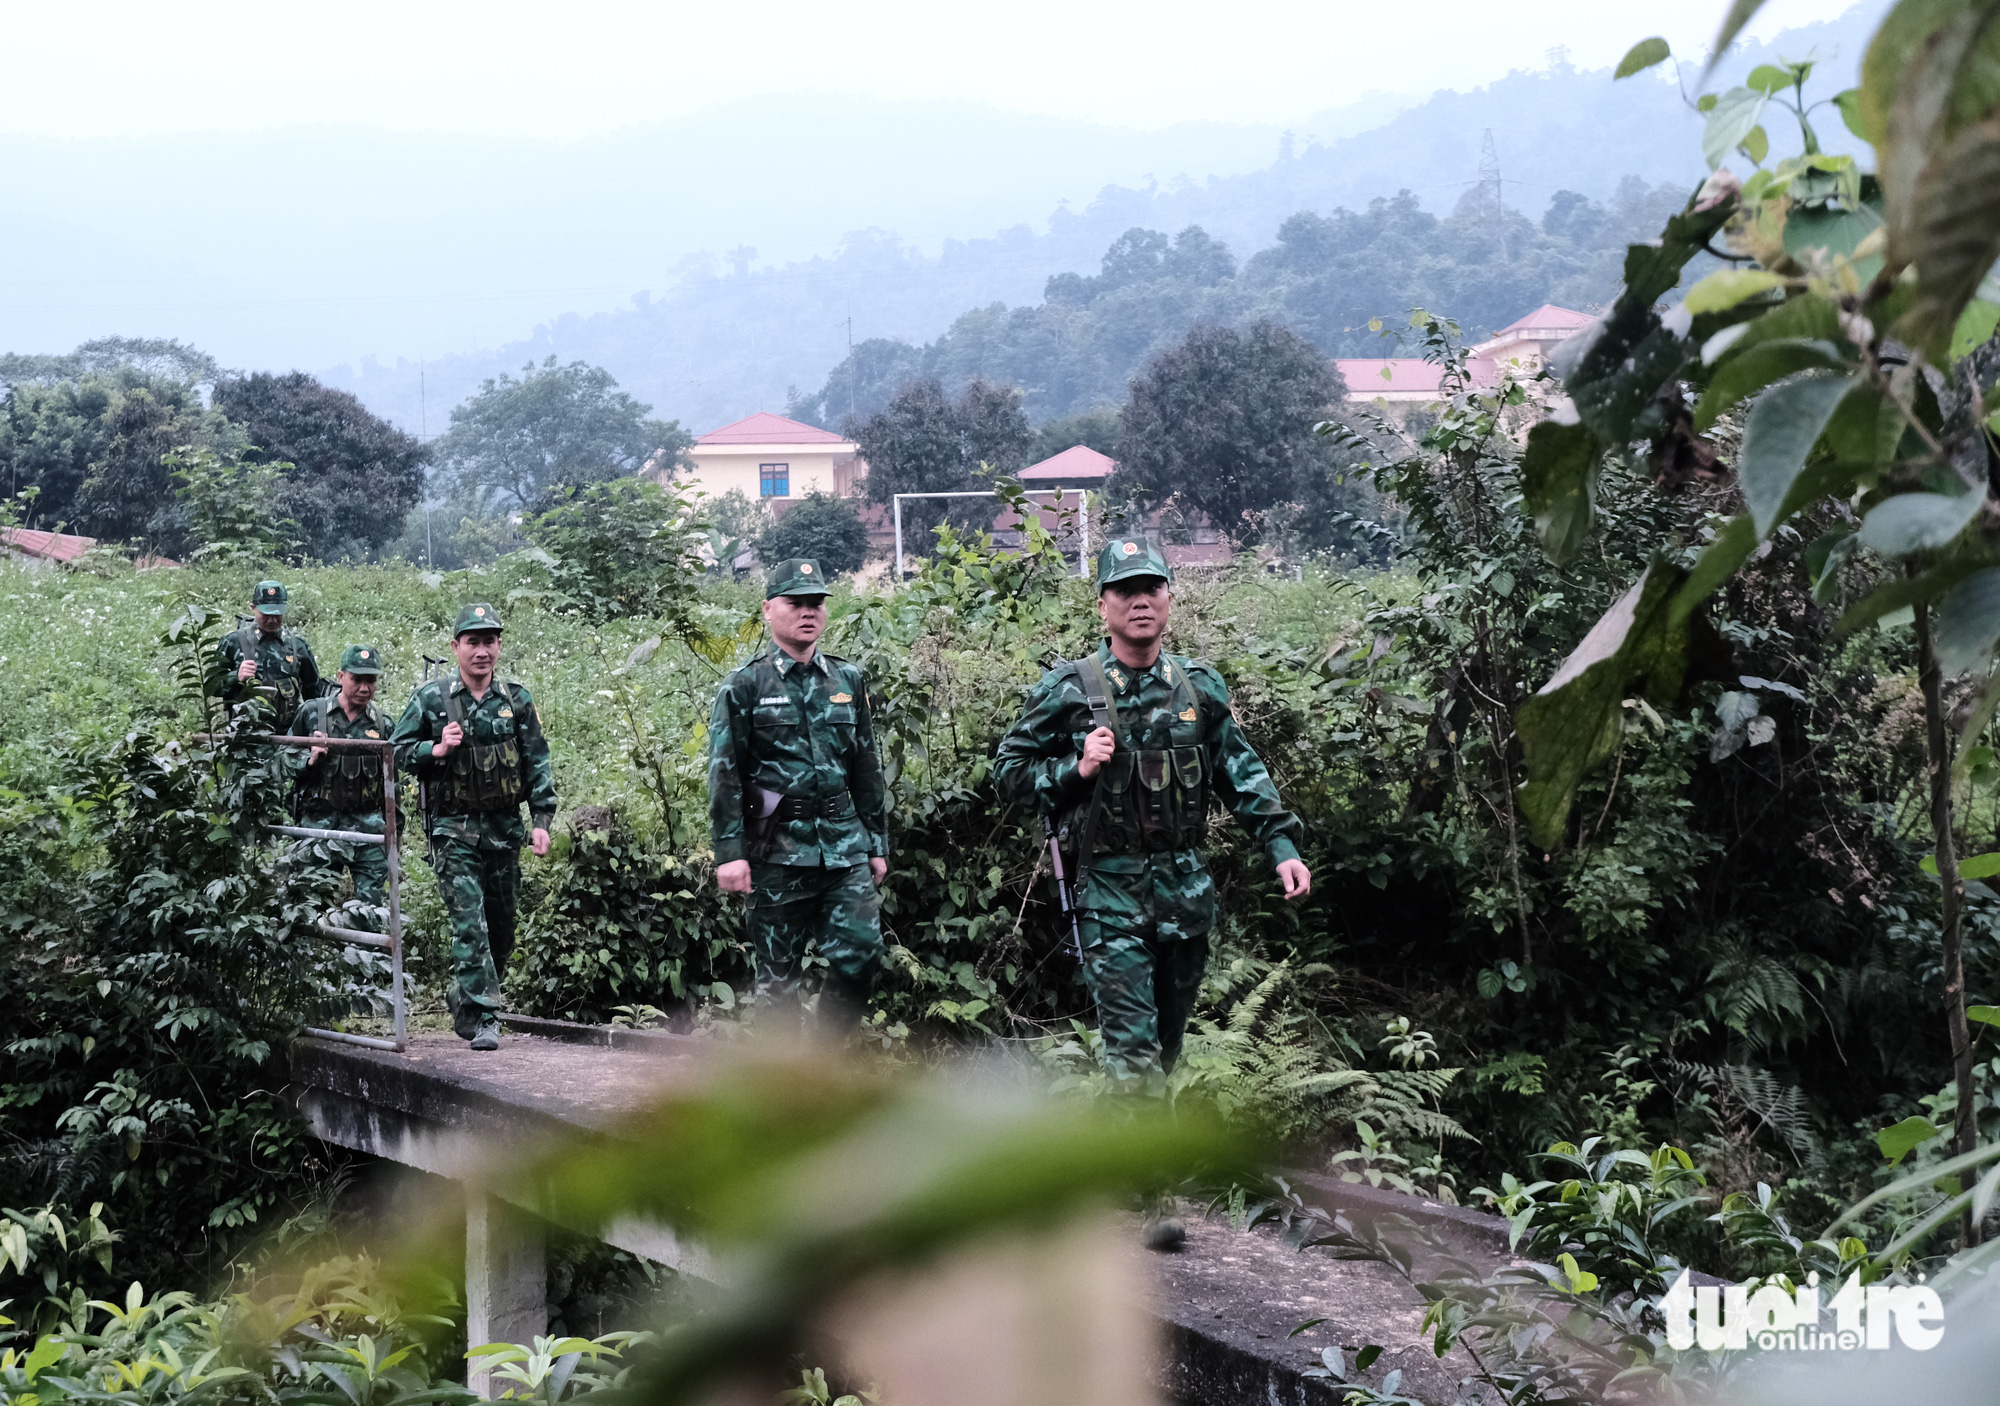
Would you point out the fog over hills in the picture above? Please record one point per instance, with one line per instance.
(713, 262)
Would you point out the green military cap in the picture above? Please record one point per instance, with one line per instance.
(269, 597)
(361, 659)
(796, 577)
(477, 616)
(1126, 557)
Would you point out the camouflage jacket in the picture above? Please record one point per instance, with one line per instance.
(315, 778)
(506, 714)
(1037, 760)
(803, 730)
(284, 662)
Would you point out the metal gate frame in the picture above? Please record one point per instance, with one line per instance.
(392, 941)
(1083, 563)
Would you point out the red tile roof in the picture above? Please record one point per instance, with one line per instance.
(1548, 318)
(50, 546)
(1364, 375)
(1078, 461)
(766, 428)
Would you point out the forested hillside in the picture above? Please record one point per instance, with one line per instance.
(717, 338)
(1326, 277)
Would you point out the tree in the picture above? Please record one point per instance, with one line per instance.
(558, 426)
(1857, 324)
(351, 478)
(627, 547)
(922, 442)
(1098, 429)
(1225, 421)
(820, 526)
(91, 430)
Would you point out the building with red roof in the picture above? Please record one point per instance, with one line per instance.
(776, 461)
(1079, 466)
(1522, 347)
(43, 548)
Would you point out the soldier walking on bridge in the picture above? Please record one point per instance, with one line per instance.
(264, 654)
(797, 806)
(342, 789)
(1123, 749)
(477, 743)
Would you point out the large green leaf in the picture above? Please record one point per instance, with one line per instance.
(1717, 563)
(1744, 373)
(1952, 234)
(1735, 115)
(1976, 326)
(1572, 723)
(1821, 234)
(1932, 70)
(1725, 288)
(1559, 483)
(1917, 522)
(1642, 56)
(1783, 426)
(1901, 1139)
(1968, 622)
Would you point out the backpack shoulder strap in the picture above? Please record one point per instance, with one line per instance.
(1185, 698)
(1096, 697)
(1097, 694)
(454, 711)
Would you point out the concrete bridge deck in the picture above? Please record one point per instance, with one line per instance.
(1227, 1303)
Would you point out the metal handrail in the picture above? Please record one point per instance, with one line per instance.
(388, 839)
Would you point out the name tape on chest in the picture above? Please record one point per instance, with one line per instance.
(777, 698)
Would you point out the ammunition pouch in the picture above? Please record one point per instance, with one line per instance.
(1148, 800)
(1153, 801)
(343, 780)
(351, 781)
(480, 778)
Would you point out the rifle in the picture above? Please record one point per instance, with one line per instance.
(1064, 897)
(431, 665)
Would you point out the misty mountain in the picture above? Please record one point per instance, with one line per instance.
(721, 342)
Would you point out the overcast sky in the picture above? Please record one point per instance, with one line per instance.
(507, 68)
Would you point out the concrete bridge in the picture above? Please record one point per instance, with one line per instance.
(1227, 1304)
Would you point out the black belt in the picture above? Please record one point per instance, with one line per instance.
(805, 808)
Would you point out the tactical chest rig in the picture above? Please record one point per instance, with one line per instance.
(1148, 800)
(345, 779)
(764, 810)
(282, 676)
(481, 778)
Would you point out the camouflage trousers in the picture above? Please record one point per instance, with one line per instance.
(837, 910)
(482, 890)
(368, 863)
(1145, 921)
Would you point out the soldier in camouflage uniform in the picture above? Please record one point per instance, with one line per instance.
(264, 654)
(797, 806)
(1149, 758)
(477, 744)
(342, 789)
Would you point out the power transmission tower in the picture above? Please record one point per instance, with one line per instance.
(1492, 212)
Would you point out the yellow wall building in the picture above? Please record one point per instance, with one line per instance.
(775, 461)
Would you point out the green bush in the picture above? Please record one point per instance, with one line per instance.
(820, 526)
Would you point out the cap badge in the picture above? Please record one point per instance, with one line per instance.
(1131, 549)
(805, 568)
(364, 654)
(479, 610)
